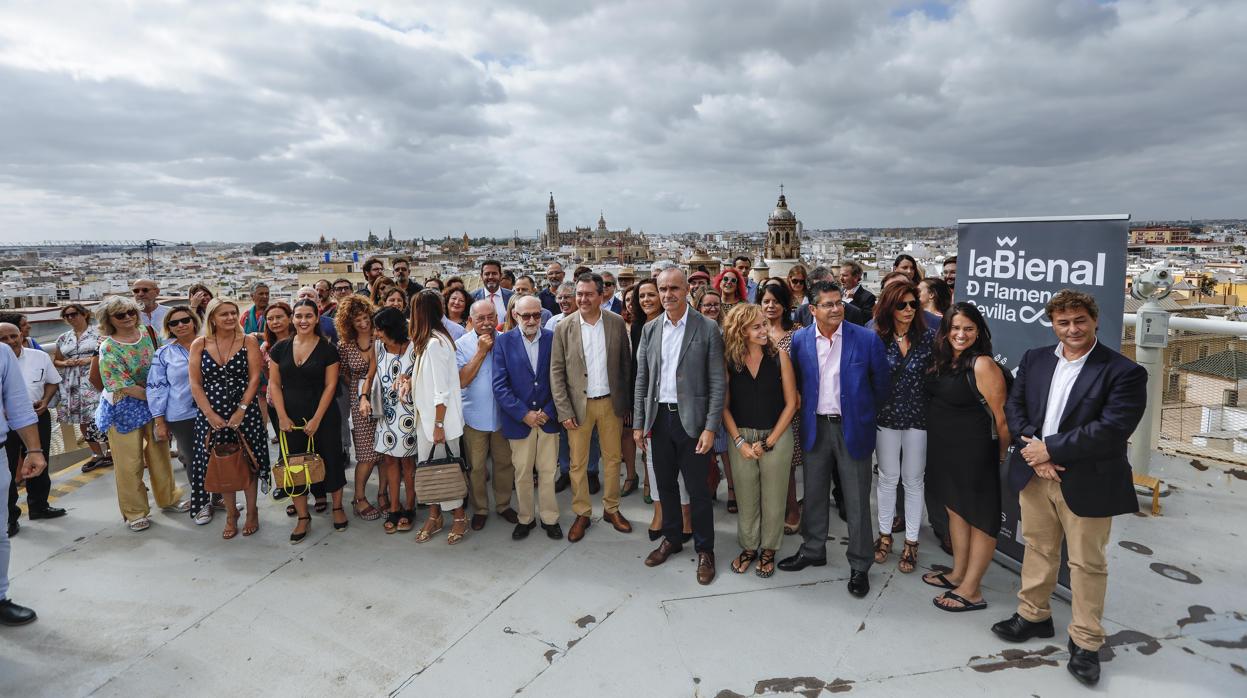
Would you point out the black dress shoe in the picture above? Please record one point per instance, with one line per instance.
(554, 530)
(12, 614)
(859, 583)
(560, 484)
(47, 513)
(798, 562)
(595, 483)
(1018, 629)
(655, 535)
(521, 530)
(1084, 664)
(509, 515)
(14, 527)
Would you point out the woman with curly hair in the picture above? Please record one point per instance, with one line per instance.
(359, 365)
(758, 408)
(731, 287)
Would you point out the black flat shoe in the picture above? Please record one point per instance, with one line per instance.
(798, 562)
(520, 532)
(554, 530)
(48, 513)
(655, 535)
(12, 614)
(14, 527)
(1018, 629)
(298, 537)
(1084, 664)
(859, 584)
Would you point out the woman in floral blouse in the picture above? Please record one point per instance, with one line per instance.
(79, 400)
(125, 358)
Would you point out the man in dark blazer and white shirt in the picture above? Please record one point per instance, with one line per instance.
(491, 288)
(678, 402)
(1073, 406)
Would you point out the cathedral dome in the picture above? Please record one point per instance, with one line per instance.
(781, 212)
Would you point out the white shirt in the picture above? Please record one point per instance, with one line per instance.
(1062, 382)
(672, 339)
(155, 319)
(593, 342)
(500, 306)
(37, 370)
(829, 351)
(554, 321)
(533, 347)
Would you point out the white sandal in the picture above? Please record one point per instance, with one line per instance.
(140, 524)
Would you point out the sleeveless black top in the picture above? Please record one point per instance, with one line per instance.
(756, 403)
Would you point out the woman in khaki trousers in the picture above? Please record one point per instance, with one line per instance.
(757, 412)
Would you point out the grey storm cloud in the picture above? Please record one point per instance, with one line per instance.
(232, 120)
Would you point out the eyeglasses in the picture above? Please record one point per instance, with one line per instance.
(181, 321)
(709, 306)
(144, 290)
(608, 283)
(797, 282)
(728, 280)
(529, 316)
(72, 313)
(125, 314)
(830, 305)
(912, 305)
(341, 289)
(401, 270)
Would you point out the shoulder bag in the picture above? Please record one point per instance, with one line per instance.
(441, 479)
(296, 473)
(231, 466)
(974, 388)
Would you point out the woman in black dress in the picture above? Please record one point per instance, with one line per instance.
(303, 377)
(963, 461)
(224, 367)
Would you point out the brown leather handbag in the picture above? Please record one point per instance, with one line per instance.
(296, 473)
(231, 466)
(441, 479)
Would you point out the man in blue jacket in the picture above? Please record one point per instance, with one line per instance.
(844, 376)
(529, 420)
(16, 414)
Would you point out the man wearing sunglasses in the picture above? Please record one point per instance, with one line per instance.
(42, 381)
(610, 301)
(151, 313)
(402, 277)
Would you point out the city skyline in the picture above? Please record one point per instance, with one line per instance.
(234, 122)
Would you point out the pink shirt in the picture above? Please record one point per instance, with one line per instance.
(829, 369)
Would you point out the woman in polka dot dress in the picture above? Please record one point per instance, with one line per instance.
(396, 419)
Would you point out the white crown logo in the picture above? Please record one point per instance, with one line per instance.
(1006, 241)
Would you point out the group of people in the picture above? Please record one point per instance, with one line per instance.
(564, 387)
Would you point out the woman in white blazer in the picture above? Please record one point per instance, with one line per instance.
(434, 385)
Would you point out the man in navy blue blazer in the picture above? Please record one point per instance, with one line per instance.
(1072, 408)
(491, 288)
(844, 377)
(529, 419)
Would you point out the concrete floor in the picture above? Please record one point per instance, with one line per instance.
(179, 611)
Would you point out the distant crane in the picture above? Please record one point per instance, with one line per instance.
(152, 243)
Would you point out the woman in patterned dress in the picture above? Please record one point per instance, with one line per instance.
(776, 301)
(72, 357)
(396, 419)
(224, 367)
(359, 365)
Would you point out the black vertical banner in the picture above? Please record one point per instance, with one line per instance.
(1009, 268)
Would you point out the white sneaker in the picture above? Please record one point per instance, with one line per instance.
(203, 516)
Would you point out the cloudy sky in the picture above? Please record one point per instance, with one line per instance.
(285, 120)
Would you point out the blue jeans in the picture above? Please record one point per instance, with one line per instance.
(565, 454)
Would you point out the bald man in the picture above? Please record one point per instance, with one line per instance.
(151, 313)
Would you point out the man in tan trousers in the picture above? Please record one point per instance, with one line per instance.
(589, 379)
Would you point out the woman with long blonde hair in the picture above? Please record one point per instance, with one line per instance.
(758, 408)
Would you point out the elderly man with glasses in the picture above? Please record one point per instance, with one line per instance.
(151, 313)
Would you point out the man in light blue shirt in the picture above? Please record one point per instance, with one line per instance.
(482, 419)
(17, 413)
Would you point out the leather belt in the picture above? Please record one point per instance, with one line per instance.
(833, 418)
(671, 406)
(600, 397)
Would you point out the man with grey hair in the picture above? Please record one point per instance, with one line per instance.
(482, 420)
(151, 313)
(678, 402)
(565, 296)
(42, 381)
(254, 321)
(610, 301)
(17, 415)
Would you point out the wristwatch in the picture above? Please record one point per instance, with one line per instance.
(438, 425)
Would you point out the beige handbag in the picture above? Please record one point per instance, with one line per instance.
(441, 479)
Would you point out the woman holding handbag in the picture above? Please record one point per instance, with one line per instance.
(224, 367)
(302, 378)
(434, 385)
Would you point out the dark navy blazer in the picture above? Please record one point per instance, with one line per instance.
(517, 388)
(865, 381)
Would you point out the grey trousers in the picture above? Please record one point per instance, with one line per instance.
(830, 453)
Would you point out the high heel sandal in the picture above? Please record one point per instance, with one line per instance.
(766, 564)
(630, 485)
(426, 533)
(339, 527)
(391, 522)
(298, 537)
(792, 529)
(909, 557)
(883, 547)
(452, 537)
(231, 526)
(251, 526)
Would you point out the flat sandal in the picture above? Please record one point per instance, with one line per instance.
(883, 547)
(426, 533)
(744, 561)
(766, 558)
(909, 558)
(452, 537)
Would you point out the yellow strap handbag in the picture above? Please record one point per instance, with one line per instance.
(296, 473)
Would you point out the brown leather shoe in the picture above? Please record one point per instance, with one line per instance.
(660, 554)
(509, 515)
(478, 521)
(579, 526)
(616, 519)
(705, 568)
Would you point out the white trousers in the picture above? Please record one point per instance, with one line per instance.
(902, 455)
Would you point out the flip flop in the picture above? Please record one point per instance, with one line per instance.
(944, 583)
(966, 604)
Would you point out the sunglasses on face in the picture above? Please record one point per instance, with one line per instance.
(180, 321)
(342, 289)
(798, 282)
(72, 313)
(125, 314)
(912, 305)
(529, 316)
(144, 290)
(728, 280)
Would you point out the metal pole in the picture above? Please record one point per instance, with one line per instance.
(1143, 442)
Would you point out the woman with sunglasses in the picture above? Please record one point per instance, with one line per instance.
(125, 359)
(731, 287)
(797, 276)
(303, 379)
(902, 440)
(225, 367)
(72, 357)
(172, 404)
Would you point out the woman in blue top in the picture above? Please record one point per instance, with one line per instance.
(169, 398)
(901, 448)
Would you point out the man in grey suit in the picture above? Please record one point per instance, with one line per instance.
(589, 379)
(678, 403)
